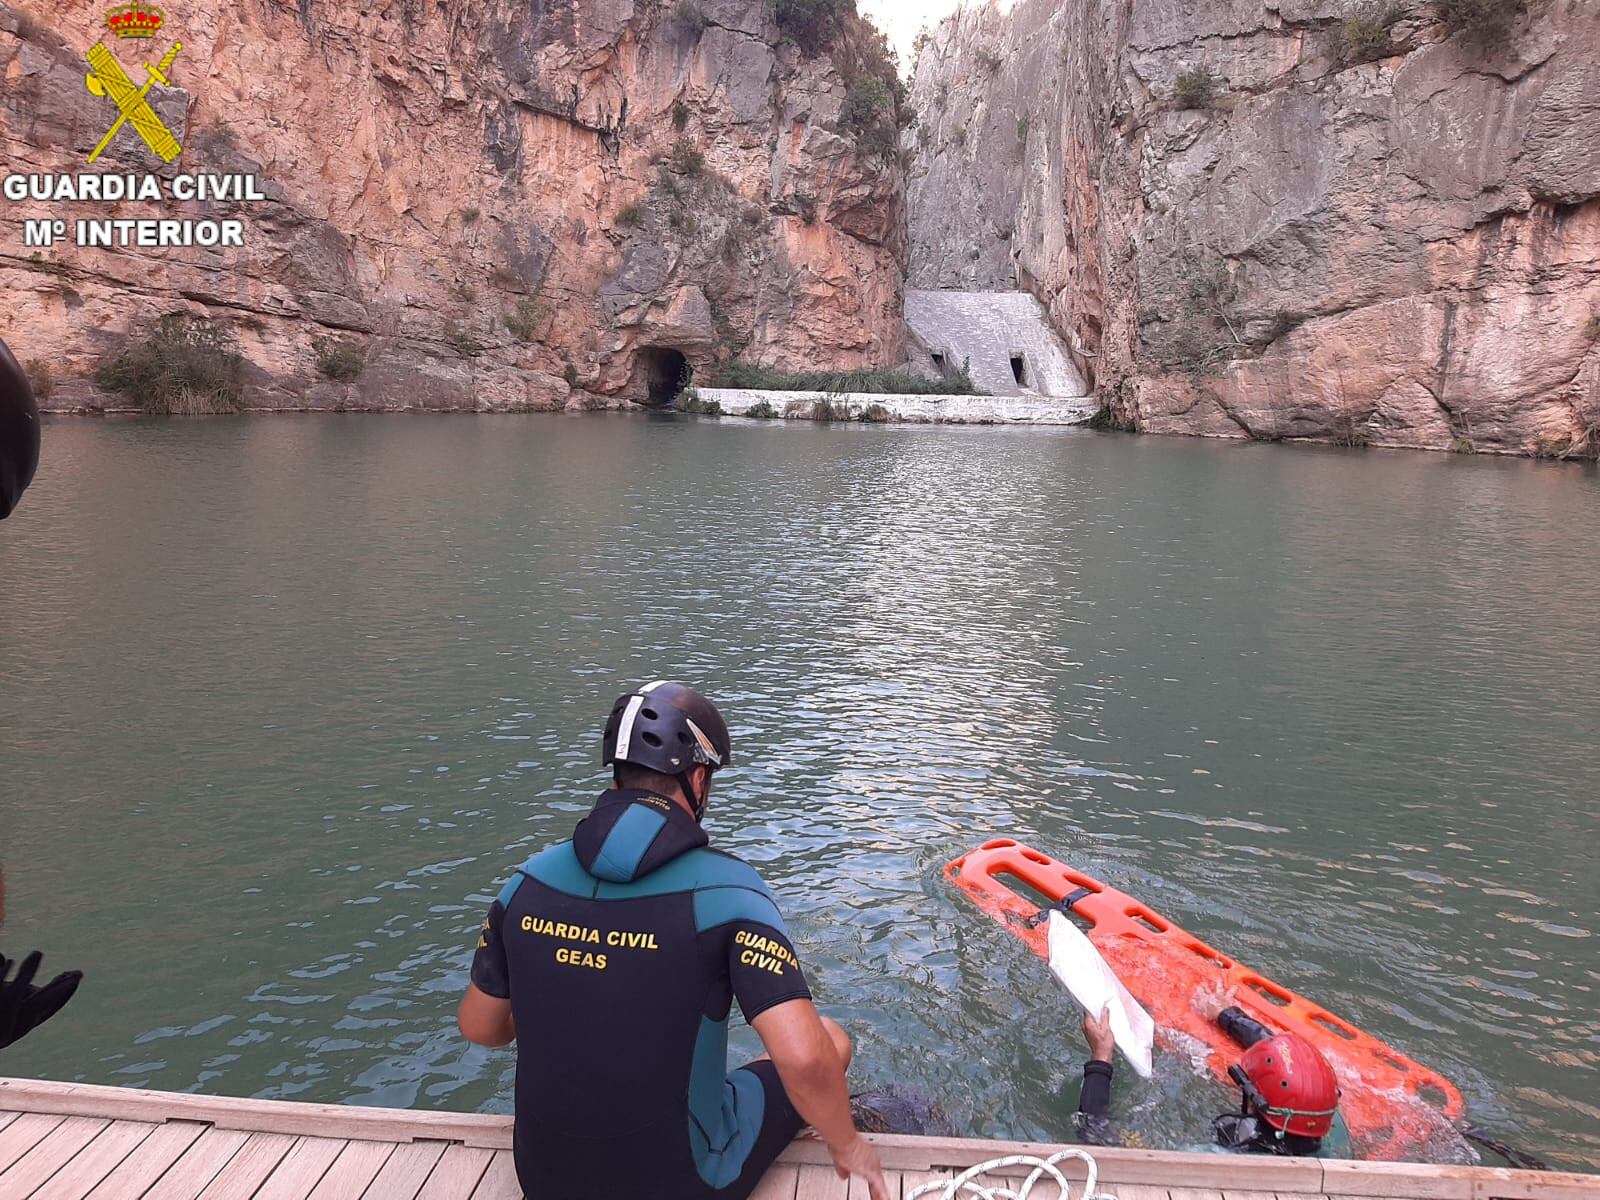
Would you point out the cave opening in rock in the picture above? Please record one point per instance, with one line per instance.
(666, 372)
(1019, 370)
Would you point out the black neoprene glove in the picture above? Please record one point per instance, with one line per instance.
(23, 1007)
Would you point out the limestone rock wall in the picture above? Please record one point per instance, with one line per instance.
(1377, 227)
(614, 176)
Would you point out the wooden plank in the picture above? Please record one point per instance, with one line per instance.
(353, 1171)
(1237, 1194)
(1194, 1194)
(910, 1181)
(779, 1183)
(55, 1150)
(1396, 1181)
(196, 1166)
(95, 1161)
(1534, 1185)
(499, 1182)
(343, 1121)
(818, 1182)
(1117, 1164)
(7, 1117)
(406, 1171)
(249, 1167)
(23, 1134)
(1138, 1191)
(148, 1161)
(458, 1173)
(302, 1169)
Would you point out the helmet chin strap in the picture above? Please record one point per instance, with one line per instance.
(698, 802)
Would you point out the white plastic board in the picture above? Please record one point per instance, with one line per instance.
(1093, 984)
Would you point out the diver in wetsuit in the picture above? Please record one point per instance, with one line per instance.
(23, 1005)
(1290, 1094)
(613, 960)
(19, 432)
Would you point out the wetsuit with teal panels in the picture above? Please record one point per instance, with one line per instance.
(621, 952)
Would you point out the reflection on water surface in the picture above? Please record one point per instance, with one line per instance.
(286, 697)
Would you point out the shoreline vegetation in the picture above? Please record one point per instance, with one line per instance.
(187, 366)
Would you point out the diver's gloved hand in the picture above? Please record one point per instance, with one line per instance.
(24, 1007)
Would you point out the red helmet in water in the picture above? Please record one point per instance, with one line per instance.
(1291, 1085)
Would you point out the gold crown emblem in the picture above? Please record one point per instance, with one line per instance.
(134, 20)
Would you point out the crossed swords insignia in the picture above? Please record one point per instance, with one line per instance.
(107, 78)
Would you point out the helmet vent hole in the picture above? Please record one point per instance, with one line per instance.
(649, 714)
(650, 739)
(683, 737)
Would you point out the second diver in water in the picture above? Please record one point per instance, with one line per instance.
(1290, 1096)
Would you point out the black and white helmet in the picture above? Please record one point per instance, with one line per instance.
(666, 727)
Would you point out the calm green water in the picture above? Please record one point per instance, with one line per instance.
(284, 698)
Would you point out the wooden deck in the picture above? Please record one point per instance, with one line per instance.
(75, 1142)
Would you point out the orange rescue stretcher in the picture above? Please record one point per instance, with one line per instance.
(1395, 1107)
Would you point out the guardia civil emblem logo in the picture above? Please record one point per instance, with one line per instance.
(136, 24)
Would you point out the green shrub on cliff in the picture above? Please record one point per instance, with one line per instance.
(1195, 87)
(631, 215)
(184, 367)
(875, 414)
(813, 25)
(867, 102)
(40, 380)
(761, 411)
(1364, 36)
(686, 157)
(462, 339)
(524, 322)
(336, 359)
(1486, 21)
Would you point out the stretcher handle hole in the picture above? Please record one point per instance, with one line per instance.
(1206, 952)
(1035, 857)
(1282, 997)
(1148, 919)
(1335, 1025)
(1399, 1064)
(997, 844)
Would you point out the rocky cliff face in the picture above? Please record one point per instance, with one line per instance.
(1292, 218)
(486, 206)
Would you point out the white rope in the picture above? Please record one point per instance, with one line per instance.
(964, 1185)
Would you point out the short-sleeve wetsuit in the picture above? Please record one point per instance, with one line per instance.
(621, 952)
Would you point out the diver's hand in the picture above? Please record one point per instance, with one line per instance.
(858, 1158)
(1097, 1032)
(1210, 1001)
(24, 1007)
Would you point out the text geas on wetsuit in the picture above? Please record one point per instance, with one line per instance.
(616, 939)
